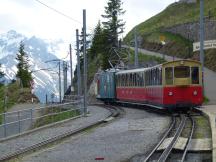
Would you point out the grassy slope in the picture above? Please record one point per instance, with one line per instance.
(15, 95)
(176, 45)
(176, 13)
(145, 58)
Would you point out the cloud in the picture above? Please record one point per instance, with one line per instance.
(31, 18)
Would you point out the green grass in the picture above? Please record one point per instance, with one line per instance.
(176, 13)
(176, 45)
(15, 95)
(203, 129)
(52, 117)
(206, 100)
(145, 58)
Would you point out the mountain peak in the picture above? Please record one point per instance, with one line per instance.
(38, 51)
(13, 34)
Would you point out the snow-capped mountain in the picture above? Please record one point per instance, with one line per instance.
(39, 51)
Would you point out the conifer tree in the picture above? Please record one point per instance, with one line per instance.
(114, 24)
(100, 46)
(23, 66)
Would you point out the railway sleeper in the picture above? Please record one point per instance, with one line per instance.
(197, 145)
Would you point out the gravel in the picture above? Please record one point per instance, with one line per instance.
(96, 113)
(133, 134)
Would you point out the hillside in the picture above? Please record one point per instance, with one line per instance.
(15, 95)
(178, 23)
(174, 14)
(39, 51)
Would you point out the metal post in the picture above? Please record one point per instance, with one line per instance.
(19, 121)
(52, 114)
(85, 62)
(5, 103)
(71, 69)
(65, 75)
(66, 69)
(59, 82)
(188, 36)
(5, 124)
(136, 49)
(78, 65)
(31, 114)
(202, 39)
(46, 99)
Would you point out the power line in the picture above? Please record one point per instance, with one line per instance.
(59, 12)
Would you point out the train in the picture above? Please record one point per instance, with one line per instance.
(170, 85)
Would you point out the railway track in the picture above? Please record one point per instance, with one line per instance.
(115, 112)
(167, 152)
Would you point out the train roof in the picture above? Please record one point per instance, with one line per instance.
(159, 65)
(137, 70)
(186, 60)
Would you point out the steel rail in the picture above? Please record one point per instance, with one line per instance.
(168, 150)
(163, 138)
(114, 113)
(189, 139)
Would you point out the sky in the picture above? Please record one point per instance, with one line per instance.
(29, 17)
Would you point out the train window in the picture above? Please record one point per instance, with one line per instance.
(195, 75)
(121, 80)
(135, 79)
(156, 76)
(138, 79)
(182, 72)
(147, 78)
(143, 79)
(160, 76)
(118, 80)
(169, 75)
(126, 80)
(131, 78)
(152, 77)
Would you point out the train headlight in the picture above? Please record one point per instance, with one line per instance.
(195, 93)
(170, 94)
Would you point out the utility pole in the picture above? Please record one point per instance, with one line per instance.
(85, 62)
(71, 69)
(202, 39)
(59, 73)
(136, 49)
(78, 64)
(65, 75)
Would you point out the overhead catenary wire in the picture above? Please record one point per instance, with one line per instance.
(63, 14)
(93, 30)
(59, 12)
